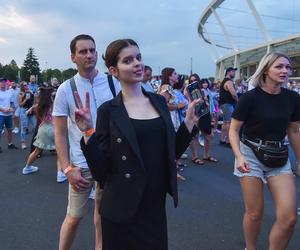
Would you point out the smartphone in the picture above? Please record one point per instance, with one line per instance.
(194, 91)
(27, 95)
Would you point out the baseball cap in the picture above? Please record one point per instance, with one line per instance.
(230, 69)
(2, 79)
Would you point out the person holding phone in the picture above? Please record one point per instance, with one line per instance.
(26, 103)
(120, 154)
(176, 104)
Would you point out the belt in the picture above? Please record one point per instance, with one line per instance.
(263, 142)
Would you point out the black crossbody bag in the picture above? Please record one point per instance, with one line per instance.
(271, 154)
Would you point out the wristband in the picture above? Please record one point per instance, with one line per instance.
(66, 170)
(89, 132)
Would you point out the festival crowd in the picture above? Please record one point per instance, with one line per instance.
(102, 127)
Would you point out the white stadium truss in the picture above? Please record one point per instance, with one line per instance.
(244, 58)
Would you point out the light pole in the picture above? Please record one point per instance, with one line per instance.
(46, 68)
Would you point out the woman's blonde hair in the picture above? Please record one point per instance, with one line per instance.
(259, 78)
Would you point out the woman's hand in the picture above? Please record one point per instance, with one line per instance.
(242, 165)
(83, 116)
(191, 118)
(181, 105)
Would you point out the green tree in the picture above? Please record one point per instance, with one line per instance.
(1, 70)
(211, 79)
(68, 73)
(31, 65)
(10, 71)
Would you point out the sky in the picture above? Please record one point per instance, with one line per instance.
(166, 30)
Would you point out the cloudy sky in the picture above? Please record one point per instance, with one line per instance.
(166, 30)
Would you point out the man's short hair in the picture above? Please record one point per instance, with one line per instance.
(147, 68)
(2, 79)
(77, 38)
(230, 69)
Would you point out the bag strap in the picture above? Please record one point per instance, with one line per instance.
(110, 82)
(111, 85)
(74, 89)
(250, 145)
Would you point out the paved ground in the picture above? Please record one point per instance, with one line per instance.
(208, 218)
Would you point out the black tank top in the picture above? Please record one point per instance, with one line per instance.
(225, 96)
(28, 104)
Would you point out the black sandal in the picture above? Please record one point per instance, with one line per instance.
(198, 161)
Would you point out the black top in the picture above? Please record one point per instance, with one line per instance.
(266, 116)
(148, 229)
(149, 133)
(28, 104)
(225, 96)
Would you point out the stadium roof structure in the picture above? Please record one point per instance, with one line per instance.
(237, 35)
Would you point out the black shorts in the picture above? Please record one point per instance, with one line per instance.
(204, 124)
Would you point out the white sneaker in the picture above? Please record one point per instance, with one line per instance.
(15, 130)
(184, 156)
(201, 141)
(23, 145)
(61, 177)
(29, 169)
(92, 194)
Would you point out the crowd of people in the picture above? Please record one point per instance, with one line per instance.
(103, 126)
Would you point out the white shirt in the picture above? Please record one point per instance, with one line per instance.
(5, 101)
(64, 105)
(15, 96)
(147, 86)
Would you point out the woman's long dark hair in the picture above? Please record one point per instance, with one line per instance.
(165, 74)
(195, 75)
(204, 80)
(44, 102)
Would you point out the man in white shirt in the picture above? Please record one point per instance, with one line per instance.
(6, 112)
(88, 79)
(15, 91)
(33, 86)
(147, 78)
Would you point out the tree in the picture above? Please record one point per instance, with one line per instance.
(1, 70)
(211, 79)
(31, 65)
(11, 71)
(68, 73)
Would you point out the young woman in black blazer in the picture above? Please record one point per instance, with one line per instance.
(132, 155)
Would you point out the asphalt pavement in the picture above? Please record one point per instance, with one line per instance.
(209, 216)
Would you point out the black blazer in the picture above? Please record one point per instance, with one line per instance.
(114, 157)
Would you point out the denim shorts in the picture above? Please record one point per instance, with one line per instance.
(258, 169)
(7, 121)
(227, 110)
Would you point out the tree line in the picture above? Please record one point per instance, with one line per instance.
(31, 66)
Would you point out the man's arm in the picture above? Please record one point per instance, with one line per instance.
(60, 135)
(61, 142)
(229, 87)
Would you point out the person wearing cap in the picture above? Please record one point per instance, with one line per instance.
(6, 112)
(227, 100)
